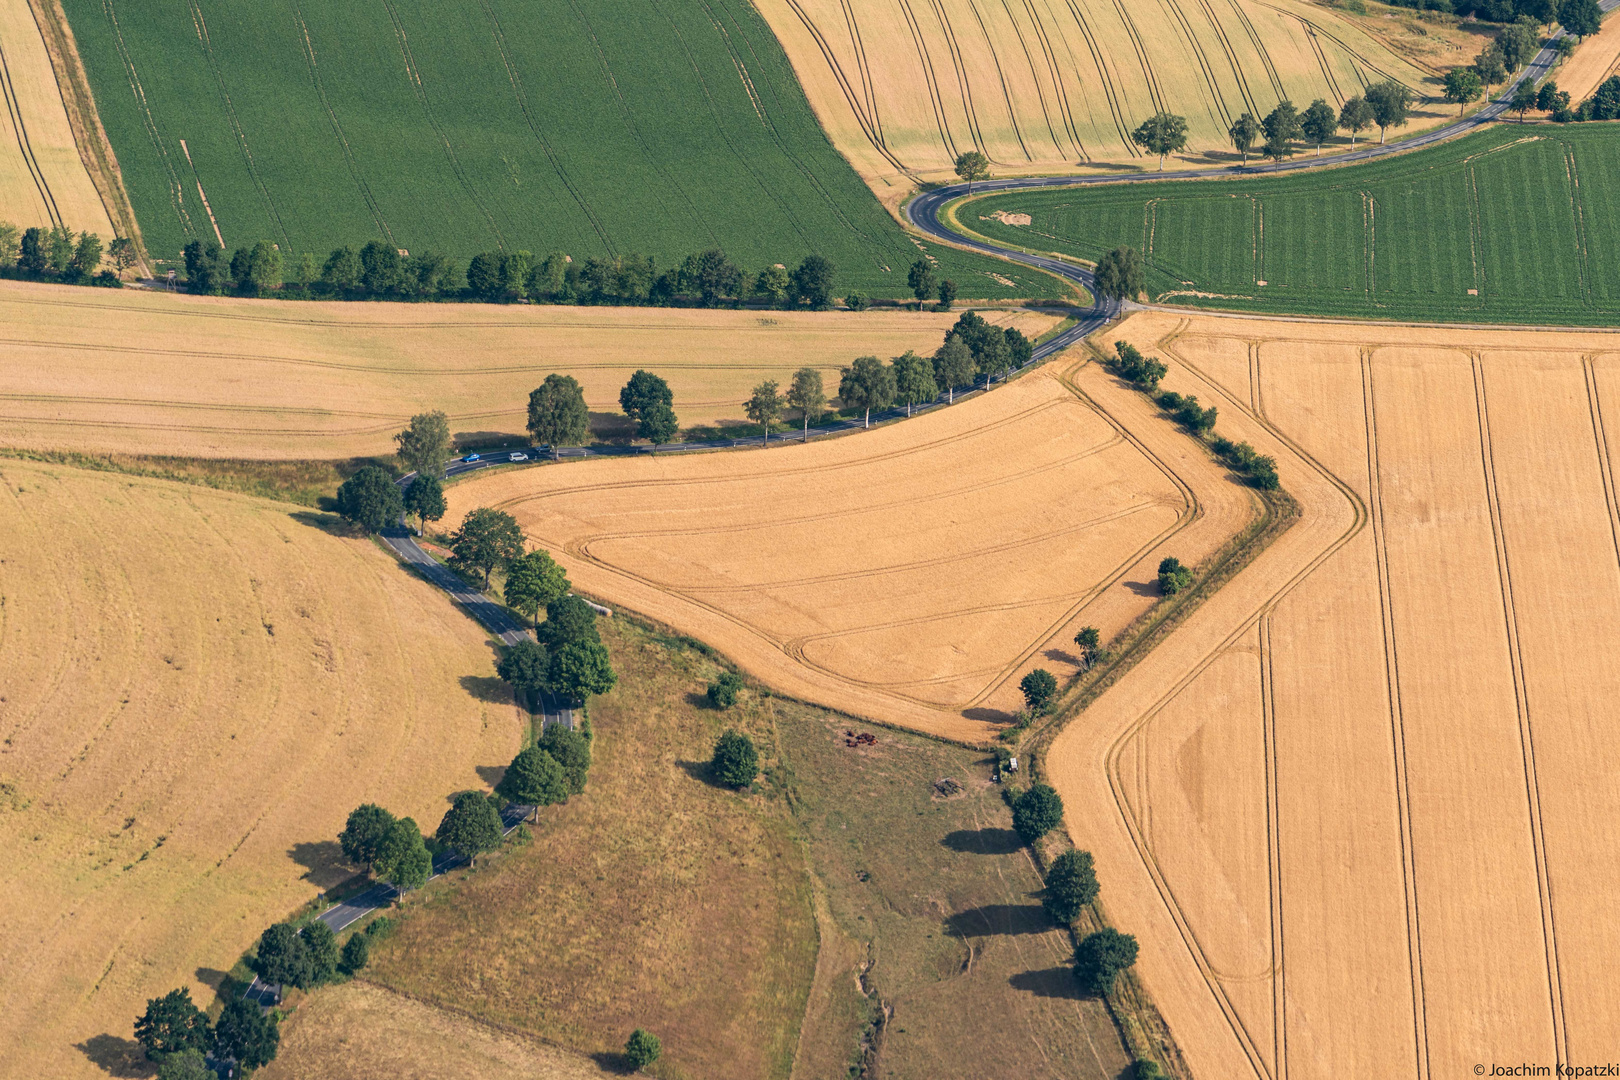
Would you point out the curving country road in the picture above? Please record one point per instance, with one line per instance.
(922, 212)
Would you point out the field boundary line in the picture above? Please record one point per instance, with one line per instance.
(1397, 719)
(138, 92)
(1527, 744)
(1268, 722)
(1601, 437)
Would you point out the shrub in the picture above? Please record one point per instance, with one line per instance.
(735, 762)
(571, 750)
(723, 691)
(320, 944)
(1173, 577)
(1070, 886)
(357, 951)
(641, 1049)
(1102, 956)
(1146, 1069)
(186, 1065)
(1038, 686)
(1037, 812)
(1133, 367)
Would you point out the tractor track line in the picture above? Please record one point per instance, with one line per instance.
(1208, 70)
(930, 77)
(963, 83)
(1034, 76)
(1154, 92)
(1110, 91)
(26, 148)
(995, 58)
(868, 122)
(1260, 48)
(1252, 109)
(861, 65)
(1054, 70)
(176, 194)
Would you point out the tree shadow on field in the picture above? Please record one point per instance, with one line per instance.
(1058, 656)
(611, 427)
(213, 978)
(610, 1061)
(999, 920)
(1143, 588)
(988, 716)
(703, 772)
(490, 774)
(117, 1057)
(488, 689)
(983, 841)
(1058, 982)
(324, 862)
(330, 524)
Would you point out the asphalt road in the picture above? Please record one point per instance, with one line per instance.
(923, 211)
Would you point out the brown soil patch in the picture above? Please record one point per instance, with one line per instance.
(1378, 757)
(912, 573)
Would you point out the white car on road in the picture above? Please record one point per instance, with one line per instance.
(517, 455)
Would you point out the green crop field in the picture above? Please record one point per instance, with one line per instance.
(658, 127)
(1513, 224)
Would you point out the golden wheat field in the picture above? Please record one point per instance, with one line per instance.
(912, 573)
(1358, 807)
(1594, 60)
(42, 180)
(360, 1029)
(1042, 85)
(143, 372)
(197, 688)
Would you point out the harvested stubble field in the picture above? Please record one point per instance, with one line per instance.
(596, 129)
(656, 899)
(1513, 224)
(198, 687)
(42, 180)
(912, 573)
(138, 372)
(1594, 60)
(1354, 803)
(1044, 86)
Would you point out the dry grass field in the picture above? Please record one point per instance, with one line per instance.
(1354, 804)
(912, 573)
(42, 179)
(360, 1029)
(197, 688)
(153, 373)
(656, 899)
(1043, 86)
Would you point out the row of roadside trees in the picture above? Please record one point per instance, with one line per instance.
(60, 254)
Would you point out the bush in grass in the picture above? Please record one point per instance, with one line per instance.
(1037, 812)
(1173, 577)
(641, 1049)
(356, 953)
(735, 762)
(1071, 884)
(1102, 956)
(722, 692)
(1146, 1069)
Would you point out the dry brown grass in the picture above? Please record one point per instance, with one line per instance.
(1352, 804)
(912, 573)
(198, 687)
(156, 373)
(653, 900)
(359, 1029)
(48, 184)
(1051, 87)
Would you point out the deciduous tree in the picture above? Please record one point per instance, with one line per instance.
(1173, 577)
(472, 825)
(922, 281)
(771, 285)
(571, 750)
(658, 424)
(867, 384)
(1355, 116)
(320, 945)
(1581, 18)
(557, 412)
(580, 669)
(1391, 104)
(172, 1024)
(1038, 688)
(526, 666)
(1102, 956)
(487, 538)
(534, 778)
(735, 762)
(402, 858)
(533, 582)
(86, 254)
(808, 395)
(425, 445)
(641, 1050)
(380, 268)
(568, 619)
(1162, 134)
(1524, 98)
(1243, 132)
(764, 406)
(282, 959)
(342, 270)
(186, 1065)
(363, 833)
(1037, 812)
(1489, 66)
(953, 365)
(425, 499)
(371, 499)
(1119, 274)
(1089, 639)
(246, 1035)
(1319, 123)
(1462, 86)
(1071, 884)
(972, 165)
(1282, 124)
(914, 380)
(356, 953)
(812, 282)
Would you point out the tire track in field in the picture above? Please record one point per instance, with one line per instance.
(414, 77)
(1583, 264)
(1034, 76)
(522, 95)
(1600, 436)
(1110, 91)
(628, 114)
(1278, 972)
(1348, 51)
(1252, 108)
(337, 128)
(1055, 71)
(1006, 94)
(1397, 716)
(235, 123)
(1260, 48)
(176, 194)
(24, 147)
(1204, 66)
(867, 121)
(964, 84)
(930, 77)
(1322, 60)
(1532, 782)
(1154, 93)
(1118, 782)
(858, 43)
